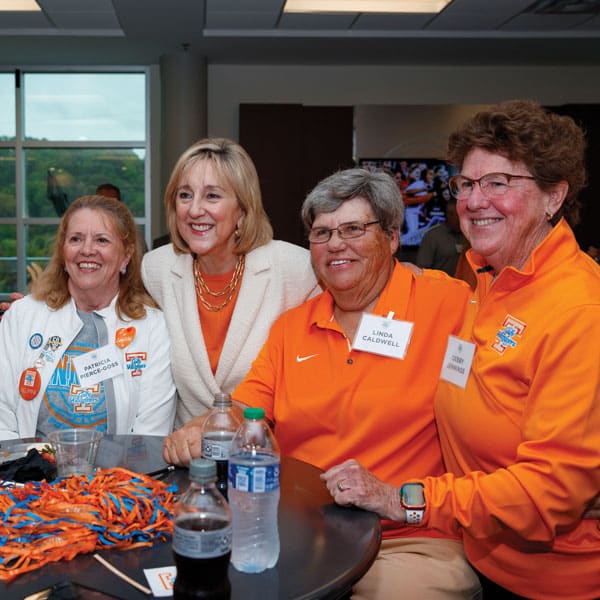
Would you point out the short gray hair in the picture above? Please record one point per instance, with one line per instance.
(377, 187)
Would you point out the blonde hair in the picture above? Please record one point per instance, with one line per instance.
(231, 163)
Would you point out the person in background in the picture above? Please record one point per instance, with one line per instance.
(109, 190)
(332, 397)
(443, 243)
(418, 192)
(87, 347)
(223, 280)
(524, 460)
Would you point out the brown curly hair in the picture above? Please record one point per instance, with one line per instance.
(551, 146)
(52, 285)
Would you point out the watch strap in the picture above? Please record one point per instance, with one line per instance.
(414, 516)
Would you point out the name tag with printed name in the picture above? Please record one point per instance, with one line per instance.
(98, 365)
(383, 336)
(457, 361)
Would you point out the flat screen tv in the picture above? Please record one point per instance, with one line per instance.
(424, 186)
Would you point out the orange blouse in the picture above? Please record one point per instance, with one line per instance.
(216, 323)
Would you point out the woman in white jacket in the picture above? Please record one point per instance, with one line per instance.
(88, 347)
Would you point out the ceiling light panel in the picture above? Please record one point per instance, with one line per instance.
(19, 6)
(366, 6)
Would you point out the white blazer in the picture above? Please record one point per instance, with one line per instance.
(277, 276)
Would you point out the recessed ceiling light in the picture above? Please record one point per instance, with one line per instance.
(19, 6)
(365, 6)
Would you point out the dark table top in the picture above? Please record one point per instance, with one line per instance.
(325, 548)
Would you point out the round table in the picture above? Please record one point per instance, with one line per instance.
(325, 548)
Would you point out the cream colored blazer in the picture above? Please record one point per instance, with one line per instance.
(277, 276)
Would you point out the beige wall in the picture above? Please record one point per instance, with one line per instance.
(407, 131)
(399, 110)
(418, 87)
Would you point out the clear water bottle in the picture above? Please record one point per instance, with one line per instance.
(202, 537)
(218, 430)
(254, 494)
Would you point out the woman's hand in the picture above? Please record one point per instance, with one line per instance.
(184, 444)
(4, 306)
(351, 484)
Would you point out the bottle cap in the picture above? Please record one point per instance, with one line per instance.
(254, 413)
(222, 399)
(203, 470)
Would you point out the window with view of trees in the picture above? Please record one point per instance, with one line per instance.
(62, 135)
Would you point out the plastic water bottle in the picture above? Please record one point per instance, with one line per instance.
(202, 537)
(254, 494)
(218, 430)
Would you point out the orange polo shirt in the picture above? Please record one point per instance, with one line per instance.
(522, 441)
(331, 403)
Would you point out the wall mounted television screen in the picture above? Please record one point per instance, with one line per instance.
(424, 186)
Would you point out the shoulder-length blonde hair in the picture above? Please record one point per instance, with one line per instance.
(231, 163)
(52, 285)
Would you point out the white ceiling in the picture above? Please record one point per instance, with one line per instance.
(256, 31)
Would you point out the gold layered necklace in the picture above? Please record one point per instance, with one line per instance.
(204, 292)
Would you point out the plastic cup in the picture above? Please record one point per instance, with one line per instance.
(75, 450)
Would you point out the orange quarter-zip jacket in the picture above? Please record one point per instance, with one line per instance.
(522, 440)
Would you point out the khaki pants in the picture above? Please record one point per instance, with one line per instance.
(419, 568)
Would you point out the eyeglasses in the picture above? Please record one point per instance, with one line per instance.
(491, 185)
(347, 231)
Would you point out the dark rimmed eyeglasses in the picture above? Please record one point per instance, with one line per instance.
(491, 184)
(347, 231)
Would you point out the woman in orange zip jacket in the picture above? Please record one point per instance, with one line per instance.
(518, 405)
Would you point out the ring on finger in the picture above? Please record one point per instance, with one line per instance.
(340, 485)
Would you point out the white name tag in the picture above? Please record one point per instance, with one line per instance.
(97, 365)
(457, 361)
(384, 336)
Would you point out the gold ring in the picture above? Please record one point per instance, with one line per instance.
(340, 486)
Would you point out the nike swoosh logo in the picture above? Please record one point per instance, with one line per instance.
(303, 358)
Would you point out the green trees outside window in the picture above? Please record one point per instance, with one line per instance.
(78, 130)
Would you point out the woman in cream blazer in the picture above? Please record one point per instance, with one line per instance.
(222, 269)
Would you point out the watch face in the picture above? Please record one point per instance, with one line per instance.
(413, 496)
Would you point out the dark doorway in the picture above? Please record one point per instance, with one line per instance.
(294, 147)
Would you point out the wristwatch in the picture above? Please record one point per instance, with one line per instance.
(412, 499)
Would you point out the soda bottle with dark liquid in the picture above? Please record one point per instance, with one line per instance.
(202, 537)
(218, 430)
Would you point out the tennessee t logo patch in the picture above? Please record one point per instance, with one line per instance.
(505, 338)
(136, 361)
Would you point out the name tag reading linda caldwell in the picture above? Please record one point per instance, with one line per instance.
(97, 365)
(383, 335)
(457, 361)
